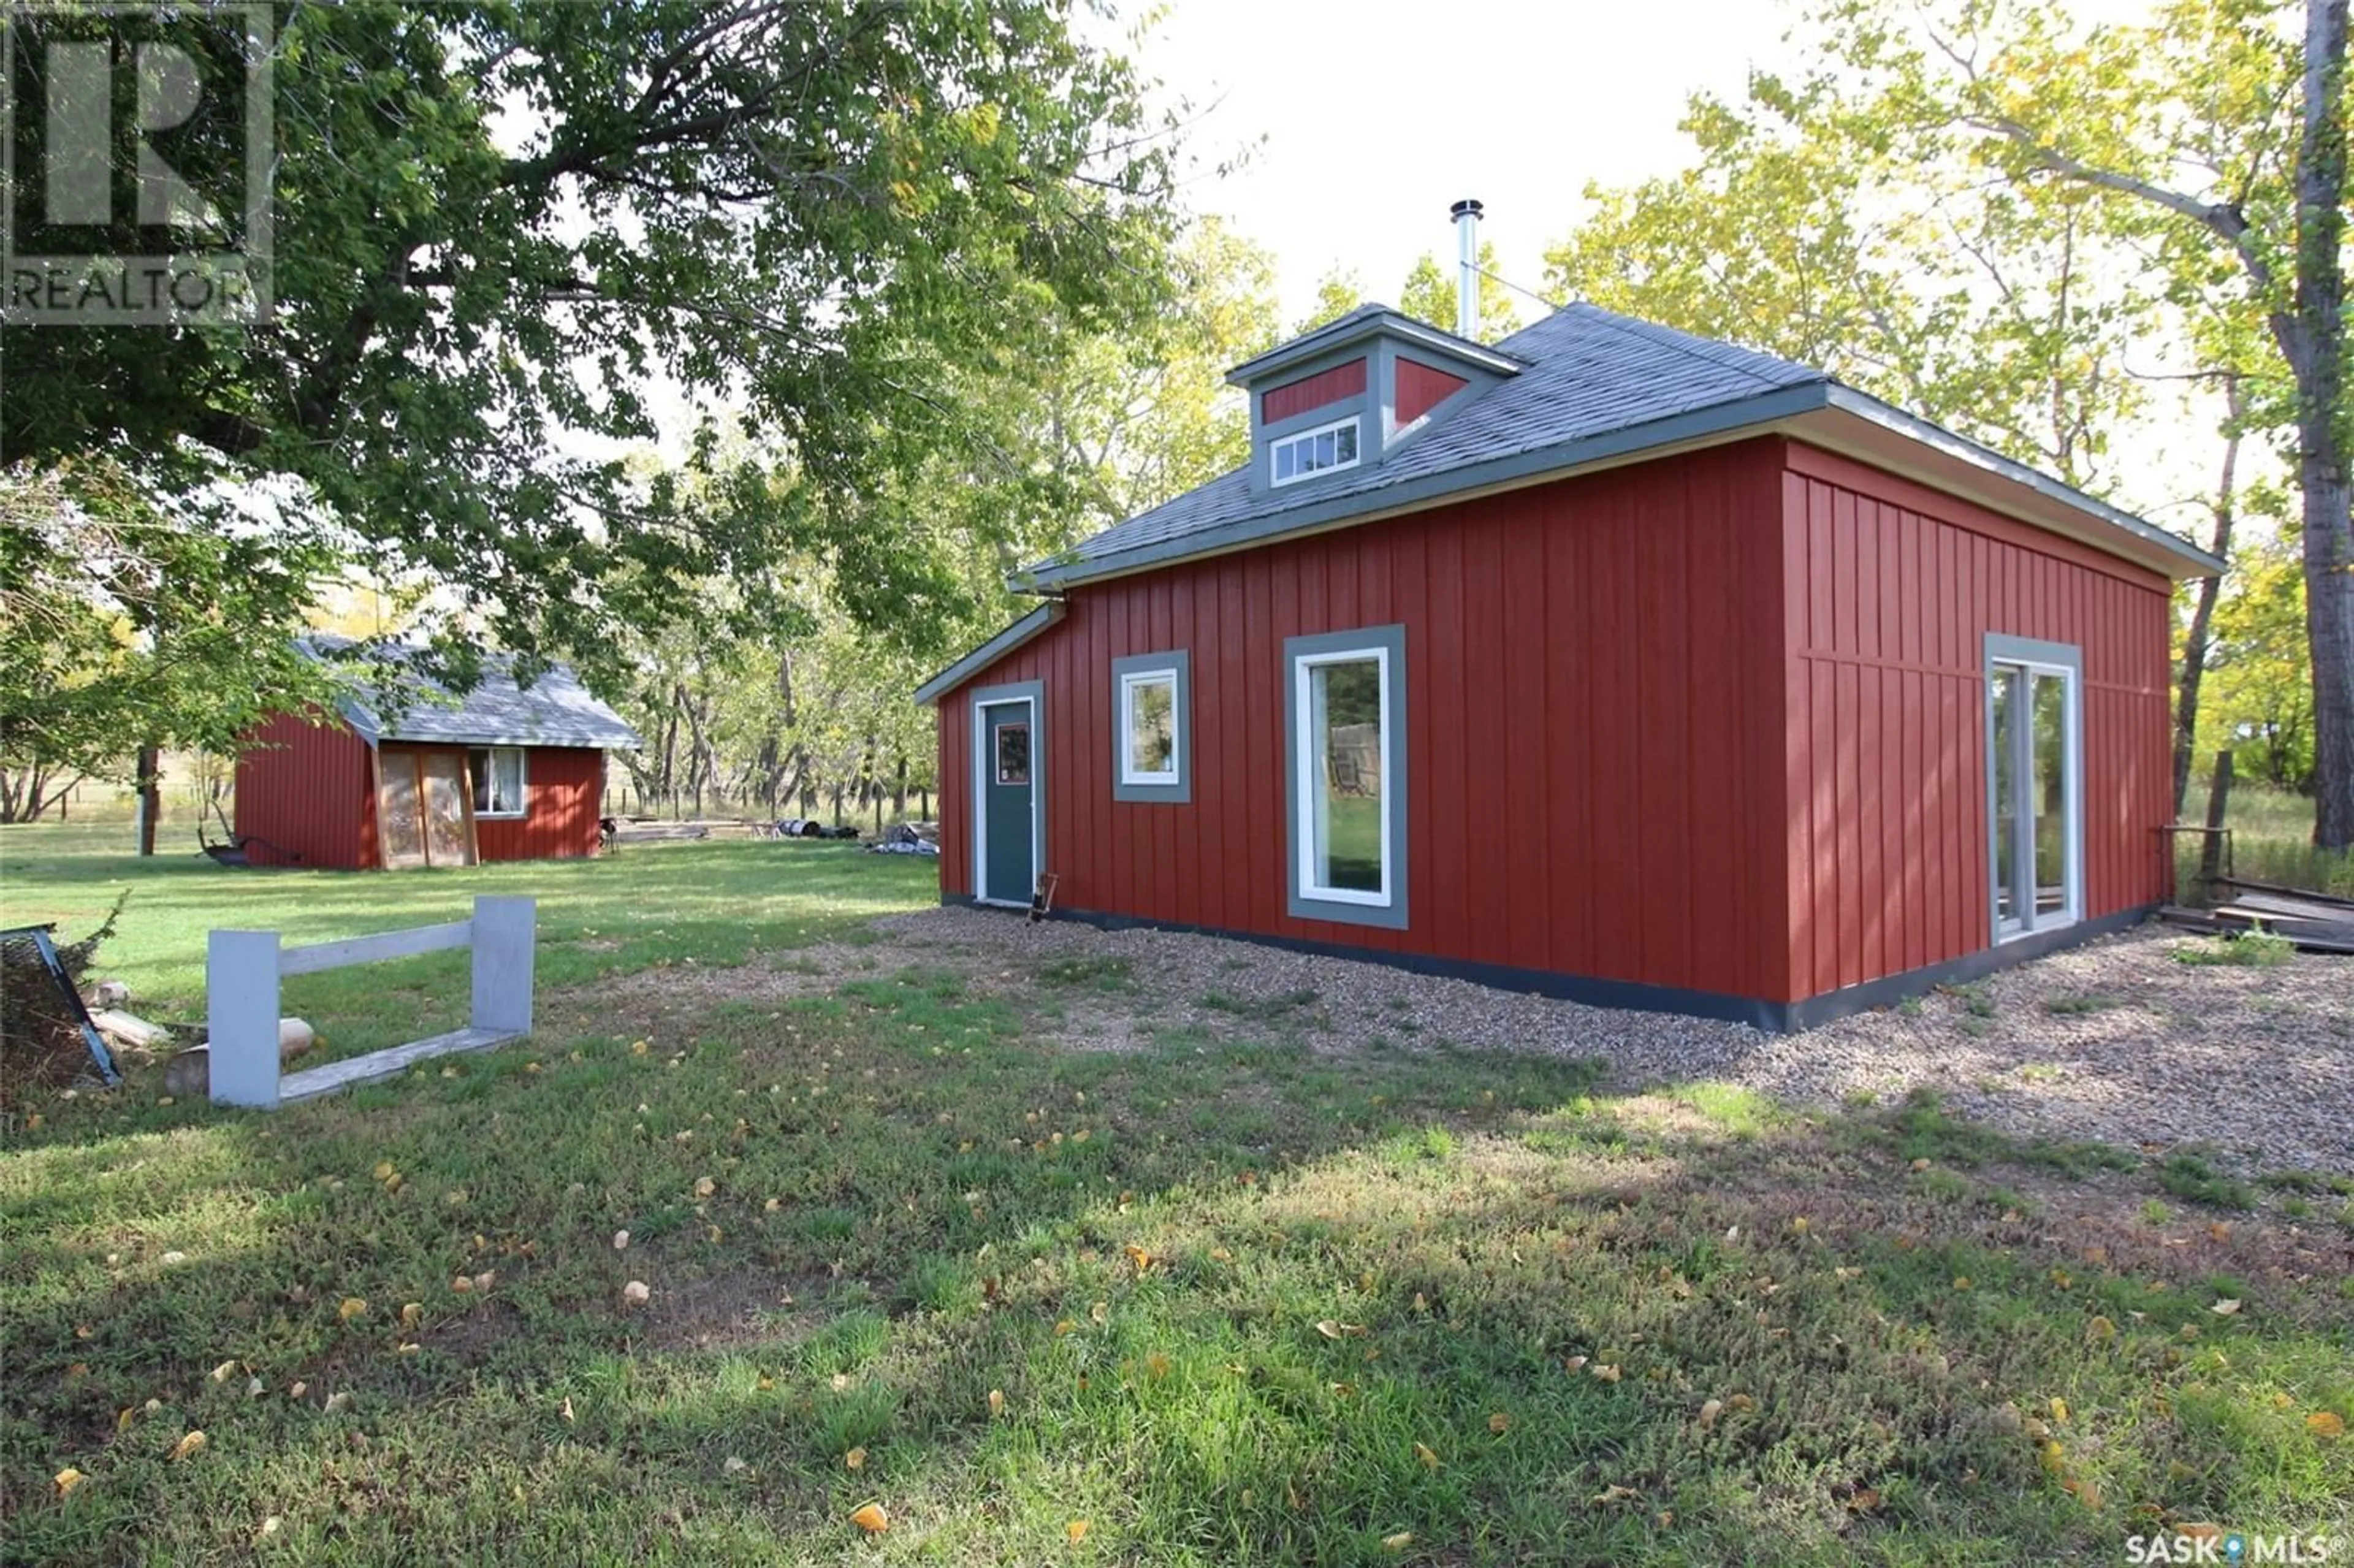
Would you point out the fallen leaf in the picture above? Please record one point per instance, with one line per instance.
(1607, 1373)
(1919, 1165)
(1156, 1366)
(1398, 1542)
(1064, 1327)
(704, 1186)
(352, 1308)
(565, 1410)
(1499, 1423)
(485, 1279)
(1709, 1412)
(1429, 1460)
(1100, 1312)
(855, 1459)
(269, 1526)
(2100, 1328)
(620, 1241)
(2226, 1307)
(637, 1293)
(297, 1389)
(1616, 1493)
(67, 1479)
(1740, 1402)
(2059, 1409)
(1863, 1500)
(996, 1403)
(1573, 1365)
(124, 1417)
(2325, 1423)
(1139, 1257)
(411, 1311)
(187, 1445)
(220, 1372)
(732, 1463)
(461, 1285)
(872, 1519)
(1077, 1530)
(336, 1402)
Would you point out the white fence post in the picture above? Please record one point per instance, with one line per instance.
(505, 940)
(242, 1008)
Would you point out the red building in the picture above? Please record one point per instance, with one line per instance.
(501, 773)
(1607, 661)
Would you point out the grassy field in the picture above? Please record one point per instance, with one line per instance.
(2272, 834)
(1210, 1300)
(651, 904)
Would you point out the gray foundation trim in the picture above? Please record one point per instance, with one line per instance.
(1303, 904)
(1178, 662)
(1035, 693)
(1769, 1017)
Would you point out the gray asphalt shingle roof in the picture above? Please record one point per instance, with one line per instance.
(1587, 372)
(554, 710)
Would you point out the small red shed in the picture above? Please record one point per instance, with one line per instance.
(504, 772)
(1607, 661)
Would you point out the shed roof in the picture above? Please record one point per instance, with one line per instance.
(554, 710)
(1594, 386)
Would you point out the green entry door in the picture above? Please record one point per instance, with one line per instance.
(1008, 785)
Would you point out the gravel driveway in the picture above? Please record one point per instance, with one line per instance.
(2117, 1041)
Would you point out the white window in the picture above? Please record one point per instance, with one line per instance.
(1148, 727)
(498, 780)
(2035, 792)
(1347, 789)
(1315, 451)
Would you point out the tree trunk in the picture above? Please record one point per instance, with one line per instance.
(151, 796)
(837, 805)
(2203, 616)
(899, 795)
(2321, 457)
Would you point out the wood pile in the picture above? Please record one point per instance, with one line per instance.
(2315, 922)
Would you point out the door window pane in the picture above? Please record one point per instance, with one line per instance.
(2005, 696)
(1345, 727)
(2049, 804)
(1013, 754)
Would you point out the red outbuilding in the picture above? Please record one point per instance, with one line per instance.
(504, 772)
(1607, 661)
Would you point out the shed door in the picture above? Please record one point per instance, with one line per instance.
(1008, 860)
(399, 808)
(423, 811)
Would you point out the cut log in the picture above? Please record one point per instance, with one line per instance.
(127, 1028)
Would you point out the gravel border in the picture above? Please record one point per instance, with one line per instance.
(2114, 1041)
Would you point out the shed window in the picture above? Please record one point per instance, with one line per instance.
(498, 780)
(1346, 704)
(1313, 452)
(1151, 728)
(1148, 726)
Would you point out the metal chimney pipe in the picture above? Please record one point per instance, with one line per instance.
(1466, 214)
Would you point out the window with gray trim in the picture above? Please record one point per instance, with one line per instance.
(1294, 458)
(1152, 725)
(1344, 775)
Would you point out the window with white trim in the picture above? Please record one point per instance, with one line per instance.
(1148, 727)
(498, 780)
(1311, 452)
(1150, 735)
(1346, 792)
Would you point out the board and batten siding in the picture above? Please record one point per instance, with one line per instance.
(1594, 731)
(1891, 590)
(304, 784)
(563, 789)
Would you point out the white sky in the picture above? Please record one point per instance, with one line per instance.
(1371, 135)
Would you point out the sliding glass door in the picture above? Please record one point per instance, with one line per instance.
(2035, 794)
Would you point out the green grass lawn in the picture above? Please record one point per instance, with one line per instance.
(651, 904)
(1217, 1299)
